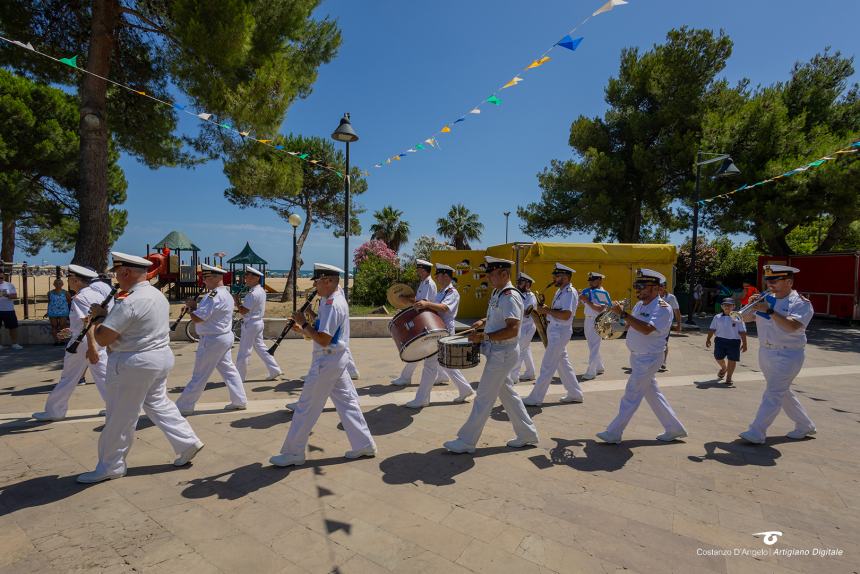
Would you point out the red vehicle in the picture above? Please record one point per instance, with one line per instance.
(830, 280)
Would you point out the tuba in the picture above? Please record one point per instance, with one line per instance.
(608, 325)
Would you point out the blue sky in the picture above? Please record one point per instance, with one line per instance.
(406, 68)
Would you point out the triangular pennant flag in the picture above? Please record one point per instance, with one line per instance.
(225, 126)
(303, 156)
(570, 43)
(179, 107)
(430, 141)
(445, 130)
(73, 61)
(28, 45)
(339, 174)
(244, 134)
(397, 158)
(516, 80)
(377, 165)
(388, 160)
(366, 173)
(475, 111)
(609, 6)
(402, 155)
(856, 144)
(293, 153)
(265, 141)
(493, 100)
(140, 93)
(419, 146)
(538, 63)
(204, 116)
(461, 119)
(412, 150)
(279, 147)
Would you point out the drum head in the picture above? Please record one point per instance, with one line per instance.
(396, 291)
(422, 347)
(455, 340)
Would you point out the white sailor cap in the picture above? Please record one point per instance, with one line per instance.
(211, 270)
(649, 276)
(592, 275)
(779, 271)
(82, 272)
(126, 260)
(253, 271)
(325, 270)
(559, 268)
(423, 263)
(497, 263)
(525, 277)
(442, 268)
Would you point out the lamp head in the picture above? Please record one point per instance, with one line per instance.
(344, 132)
(727, 169)
(295, 219)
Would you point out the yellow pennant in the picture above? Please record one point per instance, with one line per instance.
(265, 141)
(446, 130)
(538, 63)
(513, 82)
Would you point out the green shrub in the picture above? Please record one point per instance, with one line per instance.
(372, 279)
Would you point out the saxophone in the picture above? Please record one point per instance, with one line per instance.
(540, 320)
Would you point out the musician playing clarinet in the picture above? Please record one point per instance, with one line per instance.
(89, 291)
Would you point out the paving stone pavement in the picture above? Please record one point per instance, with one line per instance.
(568, 505)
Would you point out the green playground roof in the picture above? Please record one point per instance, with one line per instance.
(247, 257)
(176, 240)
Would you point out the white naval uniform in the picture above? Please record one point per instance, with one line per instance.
(328, 378)
(430, 373)
(76, 364)
(527, 333)
(555, 358)
(252, 334)
(426, 292)
(213, 350)
(780, 356)
(138, 364)
(646, 356)
(496, 380)
(597, 296)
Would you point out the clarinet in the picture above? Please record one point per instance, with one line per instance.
(73, 348)
(311, 294)
(181, 315)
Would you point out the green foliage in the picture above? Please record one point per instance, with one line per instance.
(718, 259)
(460, 226)
(390, 228)
(372, 280)
(423, 247)
(633, 163)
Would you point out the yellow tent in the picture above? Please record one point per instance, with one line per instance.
(617, 261)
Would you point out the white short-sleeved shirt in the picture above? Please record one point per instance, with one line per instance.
(426, 290)
(728, 326)
(216, 311)
(672, 301)
(255, 302)
(794, 306)
(81, 303)
(659, 315)
(451, 299)
(142, 320)
(565, 299)
(101, 288)
(505, 303)
(598, 296)
(333, 320)
(6, 303)
(529, 300)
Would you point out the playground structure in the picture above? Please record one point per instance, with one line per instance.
(245, 258)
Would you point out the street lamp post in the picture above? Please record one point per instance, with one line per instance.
(727, 169)
(295, 220)
(345, 133)
(507, 214)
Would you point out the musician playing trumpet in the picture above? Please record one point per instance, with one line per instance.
(89, 292)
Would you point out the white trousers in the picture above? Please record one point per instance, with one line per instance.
(135, 381)
(496, 382)
(74, 366)
(555, 359)
(327, 378)
(642, 383)
(252, 339)
(595, 361)
(409, 369)
(350, 365)
(213, 352)
(779, 367)
(431, 374)
(525, 358)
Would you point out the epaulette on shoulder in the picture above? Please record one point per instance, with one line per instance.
(664, 304)
(213, 293)
(802, 298)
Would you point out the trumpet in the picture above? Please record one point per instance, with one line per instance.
(754, 302)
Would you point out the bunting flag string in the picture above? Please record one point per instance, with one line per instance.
(568, 42)
(851, 150)
(72, 62)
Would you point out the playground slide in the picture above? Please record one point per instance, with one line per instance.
(270, 289)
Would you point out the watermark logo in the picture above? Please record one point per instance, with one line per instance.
(770, 537)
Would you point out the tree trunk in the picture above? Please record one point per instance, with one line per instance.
(292, 277)
(834, 233)
(93, 240)
(7, 246)
(631, 227)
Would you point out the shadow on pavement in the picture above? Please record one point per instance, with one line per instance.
(713, 384)
(264, 421)
(27, 391)
(387, 419)
(596, 456)
(740, 453)
(282, 387)
(437, 467)
(22, 426)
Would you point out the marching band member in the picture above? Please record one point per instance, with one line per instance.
(445, 304)
(328, 377)
(213, 319)
(137, 332)
(527, 331)
(676, 313)
(781, 320)
(253, 309)
(596, 300)
(559, 330)
(89, 292)
(500, 336)
(648, 324)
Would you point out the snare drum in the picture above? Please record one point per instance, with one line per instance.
(416, 333)
(457, 352)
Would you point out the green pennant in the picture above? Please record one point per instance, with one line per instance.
(73, 61)
(340, 175)
(419, 146)
(494, 100)
(303, 156)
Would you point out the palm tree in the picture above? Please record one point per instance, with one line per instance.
(390, 228)
(460, 226)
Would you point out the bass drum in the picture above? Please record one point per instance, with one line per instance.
(457, 352)
(416, 333)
